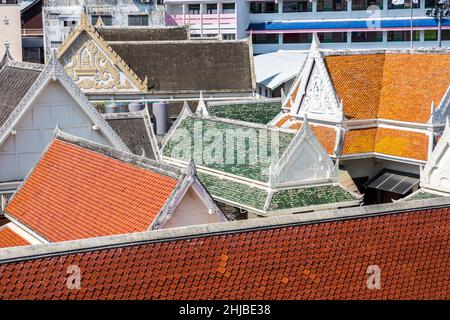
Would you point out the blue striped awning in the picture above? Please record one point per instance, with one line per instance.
(346, 25)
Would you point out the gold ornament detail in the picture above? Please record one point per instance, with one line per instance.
(91, 69)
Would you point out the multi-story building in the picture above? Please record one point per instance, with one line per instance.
(32, 31)
(10, 29)
(206, 18)
(289, 24)
(61, 16)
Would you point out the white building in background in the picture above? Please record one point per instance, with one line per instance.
(289, 24)
(61, 16)
(10, 31)
(276, 71)
(205, 18)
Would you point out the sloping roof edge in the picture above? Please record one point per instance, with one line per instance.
(54, 249)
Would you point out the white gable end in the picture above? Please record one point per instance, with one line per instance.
(436, 173)
(304, 162)
(35, 129)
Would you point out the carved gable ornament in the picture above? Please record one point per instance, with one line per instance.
(317, 99)
(91, 69)
(93, 65)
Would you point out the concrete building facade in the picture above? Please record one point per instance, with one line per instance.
(10, 28)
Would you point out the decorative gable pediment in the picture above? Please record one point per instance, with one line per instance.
(94, 66)
(313, 92)
(91, 68)
(436, 173)
(304, 162)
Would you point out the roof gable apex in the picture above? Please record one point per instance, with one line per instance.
(436, 173)
(54, 71)
(440, 114)
(304, 162)
(100, 44)
(189, 180)
(313, 89)
(185, 112)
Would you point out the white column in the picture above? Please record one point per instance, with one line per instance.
(385, 5)
(349, 5)
(202, 7)
(280, 6)
(314, 5)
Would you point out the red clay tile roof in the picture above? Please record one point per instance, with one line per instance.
(8, 238)
(76, 193)
(390, 86)
(322, 260)
(400, 143)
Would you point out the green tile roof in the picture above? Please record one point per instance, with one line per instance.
(421, 195)
(309, 196)
(233, 191)
(256, 112)
(255, 171)
(253, 197)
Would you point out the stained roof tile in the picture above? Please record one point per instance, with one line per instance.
(395, 86)
(76, 193)
(276, 262)
(400, 143)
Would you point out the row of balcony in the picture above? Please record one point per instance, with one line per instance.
(201, 19)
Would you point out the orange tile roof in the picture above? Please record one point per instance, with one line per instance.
(400, 143)
(283, 120)
(76, 193)
(317, 260)
(293, 96)
(8, 238)
(390, 86)
(326, 135)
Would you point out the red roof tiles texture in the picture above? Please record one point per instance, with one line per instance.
(75, 193)
(327, 260)
(8, 238)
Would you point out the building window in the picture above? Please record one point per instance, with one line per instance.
(69, 23)
(396, 36)
(138, 20)
(228, 8)
(402, 4)
(331, 5)
(371, 36)
(358, 5)
(263, 7)
(431, 35)
(332, 37)
(297, 6)
(55, 44)
(265, 38)
(445, 35)
(211, 8)
(229, 36)
(430, 3)
(33, 55)
(107, 20)
(297, 37)
(194, 9)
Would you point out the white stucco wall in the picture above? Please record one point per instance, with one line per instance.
(54, 106)
(10, 30)
(191, 211)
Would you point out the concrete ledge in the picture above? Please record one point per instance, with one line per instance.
(61, 248)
